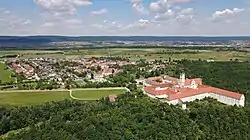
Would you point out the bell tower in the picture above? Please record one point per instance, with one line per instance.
(182, 79)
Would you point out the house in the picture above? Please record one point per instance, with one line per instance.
(112, 98)
(186, 90)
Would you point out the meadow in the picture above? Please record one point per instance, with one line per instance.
(31, 98)
(5, 75)
(23, 98)
(95, 94)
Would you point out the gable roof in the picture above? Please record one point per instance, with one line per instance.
(178, 93)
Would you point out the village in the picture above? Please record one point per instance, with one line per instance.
(50, 69)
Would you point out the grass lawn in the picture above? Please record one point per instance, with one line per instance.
(5, 74)
(31, 98)
(96, 94)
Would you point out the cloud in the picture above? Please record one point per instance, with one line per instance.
(108, 25)
(160, 6)
(11, 20)
(81, 2)
(226, 15)
(73, 22)
(165, 16)
(27, 22)
(143, 21)
(138, 7)
(187, 11)
(99, 12)
(48, 24)
(186, 16)
(61, 7)
(179, 1)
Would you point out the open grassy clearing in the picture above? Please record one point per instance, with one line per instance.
(31, 98)
(23, 98)
(96, 94)
(5, 75)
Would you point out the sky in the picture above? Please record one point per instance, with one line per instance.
(125, 17)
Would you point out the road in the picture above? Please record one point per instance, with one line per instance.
(76, 89)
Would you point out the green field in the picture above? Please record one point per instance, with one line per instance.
(151, 53)
(137, 53)
(31, 98)
(96, 94)
(22, 98)
(5, 75)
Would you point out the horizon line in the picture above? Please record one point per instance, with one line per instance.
(125, 36)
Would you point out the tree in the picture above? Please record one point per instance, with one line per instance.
(92, 76)
(99, 68)
(67, 86)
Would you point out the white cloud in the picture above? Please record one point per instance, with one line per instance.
(187, 11)
(108, 25)
(165, 16)
(7, 12)
(12, 20)
(179, 1)
(61, 7)
(27, 22)
(186, 16)
(48, 24)
(143, 21)
(80, 2)
(138, 7)
(226, 15)
(99, 12)
(73, 22)
(160, 6)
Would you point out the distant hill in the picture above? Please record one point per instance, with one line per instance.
(42, 41)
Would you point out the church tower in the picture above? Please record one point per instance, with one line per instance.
(182, 79)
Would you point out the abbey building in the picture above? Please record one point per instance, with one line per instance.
(182, 90)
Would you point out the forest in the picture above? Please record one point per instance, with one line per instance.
(132, 116)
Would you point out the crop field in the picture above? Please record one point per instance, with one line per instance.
(95, 94)
(5, 75)
(160, 53)
(138, 53)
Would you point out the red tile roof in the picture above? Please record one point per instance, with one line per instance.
(178, 93)
(197, 81)
(112, 97)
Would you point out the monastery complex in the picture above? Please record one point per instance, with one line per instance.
(181, 91)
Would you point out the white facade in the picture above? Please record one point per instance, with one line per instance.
(193, 85)
(223, 99)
